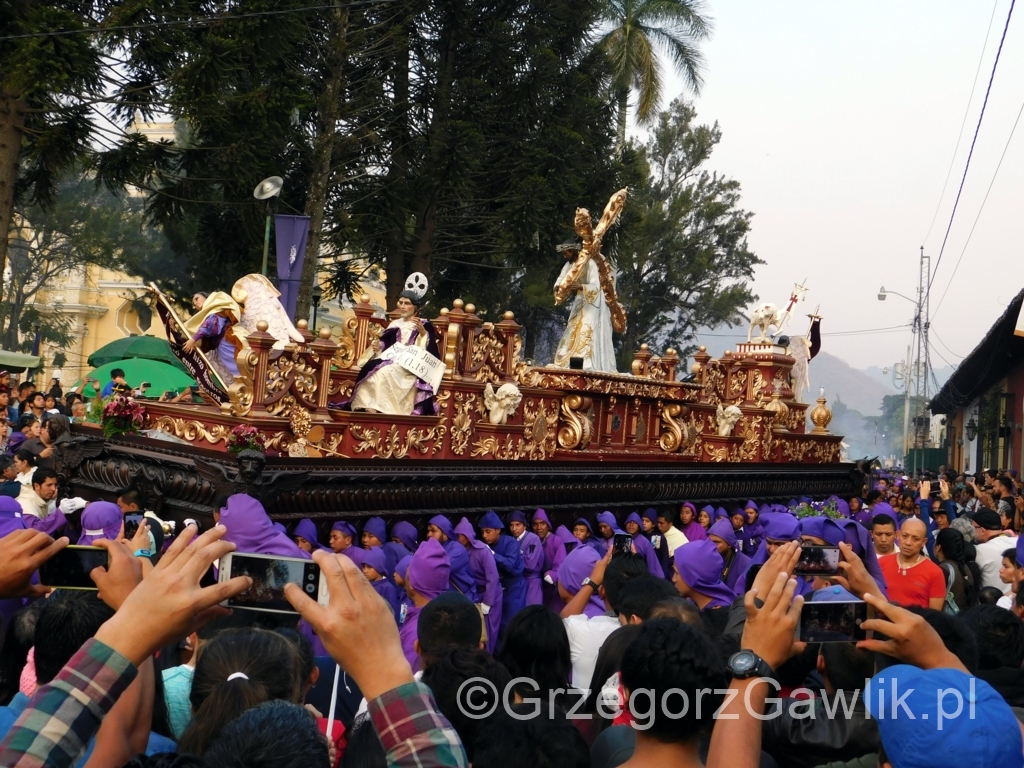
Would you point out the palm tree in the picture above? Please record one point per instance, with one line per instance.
(638, 28)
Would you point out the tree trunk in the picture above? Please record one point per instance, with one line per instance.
(12, 122)
(399, 171)
(323, 148)
(623, 112)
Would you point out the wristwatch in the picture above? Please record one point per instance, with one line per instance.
(589, 582)
(746, 664)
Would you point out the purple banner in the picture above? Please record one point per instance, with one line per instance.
(291, 233)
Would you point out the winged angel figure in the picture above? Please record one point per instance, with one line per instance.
(260, 300)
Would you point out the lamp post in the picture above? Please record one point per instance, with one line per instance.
(314, 299)
(267, 190)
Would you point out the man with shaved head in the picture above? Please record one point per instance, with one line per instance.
(910, 577)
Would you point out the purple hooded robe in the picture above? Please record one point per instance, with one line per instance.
(100, 520)
(510, 568)
(700, 566)
(738, 563)
(374, 557)
(532, 552)
(694, 531)
(10, 521)
(429, 574)
(306, 529)
(643, 547)
(577, 566)
(554, 553)
(461, 575)
(250, 530)
(488, 582)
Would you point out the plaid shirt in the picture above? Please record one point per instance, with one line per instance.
(56, 726)
(412, 731)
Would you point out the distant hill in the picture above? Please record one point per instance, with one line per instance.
(859, 390)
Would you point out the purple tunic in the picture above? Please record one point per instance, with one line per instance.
(386, 589)
(11, 521)
(554, 554)
(250, 530)
(49, 525)
(215, 328)
(488, 582)
(533, 566)
(408, 635)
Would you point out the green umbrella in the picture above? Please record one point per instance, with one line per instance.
(161, 376)
(145, 347)
(17, 362)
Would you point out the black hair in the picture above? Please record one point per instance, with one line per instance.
(955, 552)
(131, 495)
(24, 454)
(303, 652)
(37, 393)
(882, 518)
(269, 669)
(453, 667)
(955, 634)
(678, 608)
(536, 646)
(275, 734)
(846, 665)
(68, 619)
(165, 760)
(623, 567)
(1000, 636)
(1007, 484)
(671, 516)
(639, 596)
(668, 654)
(872, 497)
(968, 490)
(448, 619)
(794, 671)
(116, 373)
(19, 636)
(25, 386)
(42, 474)
(545, 740)
(988, 596)
(1018, 599)
(608, 663)
(363, 748)
(26, 420)
(6, 461)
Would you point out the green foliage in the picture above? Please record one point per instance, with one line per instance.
(681, 250)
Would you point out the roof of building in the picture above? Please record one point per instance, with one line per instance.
(995, 356)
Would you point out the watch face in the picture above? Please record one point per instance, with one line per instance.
(742, 662)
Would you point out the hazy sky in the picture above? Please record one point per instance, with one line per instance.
(840, 120)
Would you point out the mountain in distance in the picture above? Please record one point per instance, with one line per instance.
(886, 379)
(859, 390)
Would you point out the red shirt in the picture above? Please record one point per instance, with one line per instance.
(922, 582)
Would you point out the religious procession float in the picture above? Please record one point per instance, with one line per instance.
(417, 416)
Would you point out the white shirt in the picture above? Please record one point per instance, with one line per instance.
(989, 558)
(675, 539)
(586, 636)
(32, 503)
(1006, 601)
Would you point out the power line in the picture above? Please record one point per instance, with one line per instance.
(974, 141)
(945, 345)
(192, 23)
(975, 224)
(967, 111)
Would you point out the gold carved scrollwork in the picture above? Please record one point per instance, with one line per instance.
(462, 424)
(577, 428)
(240, 397)
(737, 384)
(714, 382)
(488, 357)
(345, 356)
(541, 429)
(391, 445)
(491, 445)
(694, 445)
(721, 453)
(193, 430)
(750, 431)
(672, 438)
(342, 387)
(282, 407)
(761, 387)
(289, 366)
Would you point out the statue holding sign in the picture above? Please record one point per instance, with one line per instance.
(404, 369)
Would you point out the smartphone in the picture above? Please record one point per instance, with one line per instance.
(70, 568)
(622, 543)
(818, 561)
(145, 385)
(131, 525)
(269, 574)
(834, 622)
(195, 389)
(170, 393)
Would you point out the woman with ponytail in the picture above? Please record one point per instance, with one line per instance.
(238, 669)
(951, 552)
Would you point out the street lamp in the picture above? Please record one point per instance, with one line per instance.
(972, 429)
(267, 190)
(314, 299)
(882, 294)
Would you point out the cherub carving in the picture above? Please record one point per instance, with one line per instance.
(726, 419)
(503, 403)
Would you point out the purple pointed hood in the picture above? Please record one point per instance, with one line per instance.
(346, 528)
(250, 530)
(584, 521)
(633, 517)
(376, 527)
(884, 508)
(813, 526)
(406, 533)
(577, 566)
(306, 529)
(490, 520)
(763, 509)
(10, 516)
(751, 505)
(279, 527)
(100, 520)
(516, 517)
(430, 569)
(444, 524)
(651, 514)
(375, 558)
(843, 507)
(608, 519)
(700, 566)
(780, 527)
(692, 506)
(724, 530)
(466, 529)
(833, 532)
(540, 514)
(859, 538)
(719, 513)
(402, 567)
(356, 554)
(566, 537)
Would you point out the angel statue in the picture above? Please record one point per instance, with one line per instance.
(260, 300)
(595, 311)
(401, 372)
(215, 330)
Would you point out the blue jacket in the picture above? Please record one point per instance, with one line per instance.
(509, 560)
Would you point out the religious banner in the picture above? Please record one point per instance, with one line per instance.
(416, 361)
(195, 362)
(291, 233)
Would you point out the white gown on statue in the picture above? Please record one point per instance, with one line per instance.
(589, 332)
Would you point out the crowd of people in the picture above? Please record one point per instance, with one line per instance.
(522, 639)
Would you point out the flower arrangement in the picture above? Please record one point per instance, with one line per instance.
(246, 438)
(122, 416)
(827, 508)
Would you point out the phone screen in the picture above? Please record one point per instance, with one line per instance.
(70, 568)
(622, 543)
(131, 525)
(269, 575)
(818, 561)
(833, 622)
